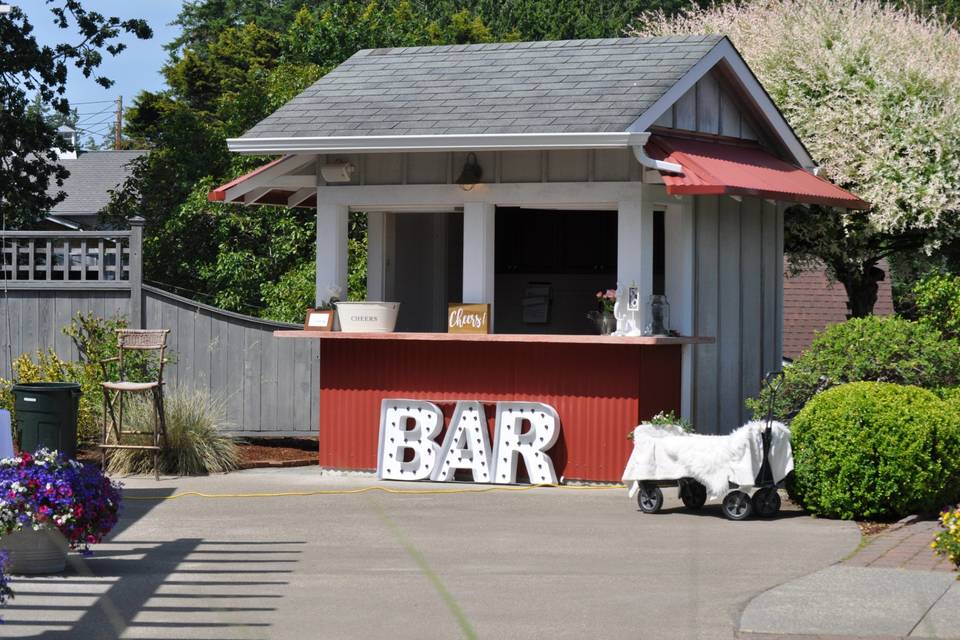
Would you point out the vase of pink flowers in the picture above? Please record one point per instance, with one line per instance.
(603, 317)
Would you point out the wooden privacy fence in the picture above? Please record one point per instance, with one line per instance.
(268, 385)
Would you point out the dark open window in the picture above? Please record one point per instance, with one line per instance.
(659, 253)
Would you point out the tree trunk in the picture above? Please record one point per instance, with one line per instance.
(860, 283)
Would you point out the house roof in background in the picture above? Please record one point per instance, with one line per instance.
(93, 174)
(516, 87)
(811, 303)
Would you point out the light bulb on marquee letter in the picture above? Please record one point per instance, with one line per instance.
(466, 445)
(512, 442)
(408, 425)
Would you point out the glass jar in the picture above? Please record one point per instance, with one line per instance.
(659, 315)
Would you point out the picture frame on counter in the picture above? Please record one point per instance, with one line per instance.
(319, 320)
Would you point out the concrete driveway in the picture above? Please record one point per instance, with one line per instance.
(543, 563)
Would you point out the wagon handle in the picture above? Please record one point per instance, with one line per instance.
(773, 380)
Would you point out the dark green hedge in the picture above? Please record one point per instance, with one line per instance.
(876, 450)
(874, 349)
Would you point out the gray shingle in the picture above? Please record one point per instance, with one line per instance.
(92, 176)
(544, 87)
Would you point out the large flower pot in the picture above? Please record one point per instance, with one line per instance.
(36, 551)
(374, 317)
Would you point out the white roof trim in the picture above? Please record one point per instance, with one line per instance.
(269, 176)
(73, 226)
(446, 142)
(724, 50)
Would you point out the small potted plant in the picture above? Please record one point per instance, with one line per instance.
(49, 504)
(603, 317)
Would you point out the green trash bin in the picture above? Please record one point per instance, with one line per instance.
(46, 415)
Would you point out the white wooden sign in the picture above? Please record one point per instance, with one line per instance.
(408, 449)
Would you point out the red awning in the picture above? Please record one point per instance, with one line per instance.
(220, 193)
(719, 168)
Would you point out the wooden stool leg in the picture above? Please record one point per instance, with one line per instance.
(156, 437)
(103, 434)
(119, 426)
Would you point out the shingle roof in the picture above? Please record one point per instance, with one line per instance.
(519, 87)
(92, 175)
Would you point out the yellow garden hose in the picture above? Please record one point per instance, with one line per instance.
(390, 490)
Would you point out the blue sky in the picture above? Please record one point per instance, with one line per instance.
(136, 69)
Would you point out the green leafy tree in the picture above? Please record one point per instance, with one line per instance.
(27, 69)
(938, 303)
(874, 92)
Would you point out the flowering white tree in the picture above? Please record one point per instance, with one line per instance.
(873, 90)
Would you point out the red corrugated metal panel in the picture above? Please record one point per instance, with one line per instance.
(599, 391)
(718, 168)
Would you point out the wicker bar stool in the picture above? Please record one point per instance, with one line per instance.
(135, 340)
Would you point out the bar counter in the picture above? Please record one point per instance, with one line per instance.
(600, 386)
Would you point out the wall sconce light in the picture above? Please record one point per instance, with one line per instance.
(470, 174)
(337, 171)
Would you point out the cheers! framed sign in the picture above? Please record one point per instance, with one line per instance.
(468, 318)
(319, 320)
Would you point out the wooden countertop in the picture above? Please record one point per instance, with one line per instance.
(495, 337)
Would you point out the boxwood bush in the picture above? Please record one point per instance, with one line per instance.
(875, 450)
(878, 349)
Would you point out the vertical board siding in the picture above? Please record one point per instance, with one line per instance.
(739, 297)
(237, 359)
(771, 274)
(707, 356)
(728, 335)
(751, 300)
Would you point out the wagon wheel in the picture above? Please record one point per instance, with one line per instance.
(737, 505)
(650, 498)
(766, 502)
(694, 495)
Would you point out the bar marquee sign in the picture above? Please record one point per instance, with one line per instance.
(408, 449)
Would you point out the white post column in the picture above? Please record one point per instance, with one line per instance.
(680, 289)
(635, 251)
(377, 255)
(331, 249)
(478, 253)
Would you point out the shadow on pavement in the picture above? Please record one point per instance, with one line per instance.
(186, 587)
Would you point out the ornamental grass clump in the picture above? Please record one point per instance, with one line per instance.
(195, 443)
(49, 490)
(870, 450)
(947, 542)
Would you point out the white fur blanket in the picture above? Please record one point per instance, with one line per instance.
(666, 452)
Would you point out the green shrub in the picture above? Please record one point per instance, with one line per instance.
(195, 442)
(874, 349)
(938, 303)
(875, 450)
(951, 395)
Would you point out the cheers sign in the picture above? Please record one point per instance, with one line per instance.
(468, 318)
(408, 448)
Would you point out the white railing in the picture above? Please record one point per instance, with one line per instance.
(68, 259)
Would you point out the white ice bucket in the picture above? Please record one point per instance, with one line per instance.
(373, 317)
